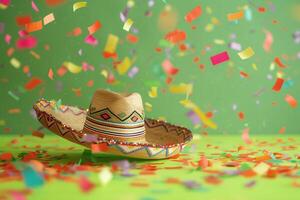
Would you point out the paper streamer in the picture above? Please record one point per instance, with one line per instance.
(123, 67)
(190, 105)
(72, 67)
(34, 26)
(79, 5)
(111, 44)
(268, 41)
(169, 68)
(194, 14)
(94, 27)
(219, 58)
(291, 101)
(48, 18)
(245, 136)
(247, 53)
(127, 25)
(235, 16)
(278, 84)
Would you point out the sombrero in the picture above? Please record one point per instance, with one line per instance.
(115, 124)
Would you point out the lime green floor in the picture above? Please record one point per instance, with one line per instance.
(217, 149)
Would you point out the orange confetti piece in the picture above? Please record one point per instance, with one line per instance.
(90, 83)
(50, 73)
(94, 27)
(54, 2)
(194, 14)
(102, 147)
(34, 26)
(241, 115)
(32, 83)
(235, 16)
(132, 38)
(278, 84)
(76, 31)
(291, 101)
(176, 36)
(279, 63)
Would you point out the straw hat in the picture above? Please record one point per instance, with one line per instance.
(115, 123)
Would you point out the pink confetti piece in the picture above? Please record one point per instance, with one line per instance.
(268, 41)
(50, 74)
(245, 136)
(169, 68)
(219, 58)
(91, 40)
(134, 70)
(5, 3)
(193, 117)
(85, 184)
(7, 38)
(26, 43)
(235, 46)
(34, 7)
(291, 101)
(22, 33)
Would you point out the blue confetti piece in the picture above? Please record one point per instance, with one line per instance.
(32, 178)
(248, 14)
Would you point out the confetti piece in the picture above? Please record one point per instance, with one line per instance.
(34, 7)
(127, 25)
(94, 27)
(190, 105)
(38, 134)
(14, 111)
(50, 74)
(291, 101)
(32, 83)
(6, 156)
(15, 63)
(4, 4)
(248, 14)
(111, 44)
(102, 147)
(268, 41)
(79, 5)
(76, 31)
(219, 58)
(241, 115)
(181, 88)
(235, 16)
(72, 67)
(91, 40)
(282, 130)
(261, 168)
(54, 2)
(169, 68)
(15, 97)
(133, 71)
(26, 42)
(7, 38)
(85, 184)
(194, 14)
(124, 66)
(132, 38)
(34, 26)
(22, 20)
(176, 36)
(250, 184)
(193, 117)
(105, 176)
(279, 63)
(35, 55)
(278, 84)
(153, 92)
(48, 18)
(32, 178)
(247, 53)
(148, 107)
(245, 136)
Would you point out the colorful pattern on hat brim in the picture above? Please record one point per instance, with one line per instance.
(137, 149)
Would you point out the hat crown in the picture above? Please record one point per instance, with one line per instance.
(116, 107)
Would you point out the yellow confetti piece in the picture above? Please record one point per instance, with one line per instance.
(123, 67)
(48, 19)
(261, 168)
(181, 88)
(148, 107)
(35, 55)
(218, 41)
(247, 53)
(105, 176)
(127, 24)
(72, 67)
(254, 66)
(153, 92)
(2, 122)
(189, 104)
(209, 27)
(104, 73)
(79, 5)
(15, 63)
(111, 44)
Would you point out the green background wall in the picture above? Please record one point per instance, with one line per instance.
(217, 89)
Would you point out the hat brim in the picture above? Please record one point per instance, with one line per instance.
(161, 139)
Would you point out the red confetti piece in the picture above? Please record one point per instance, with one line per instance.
(241, 115)
(176, 36)
(261, 9)
(281, 130)
(94, 27)
(219, 58)
(26, 43)
(22, 20)
(50, 74)
(279, 63)
(203, 162)
(76, 31)
(291, 101)
(169, 68)
(54, 2)
(245, 136)
(244, 74)
(85, 184)
(6, 156)
(132, 38)
(278, 84)
(194, 14)
(32, 83)
(61, 71)
(102, 147)
(90, 83)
